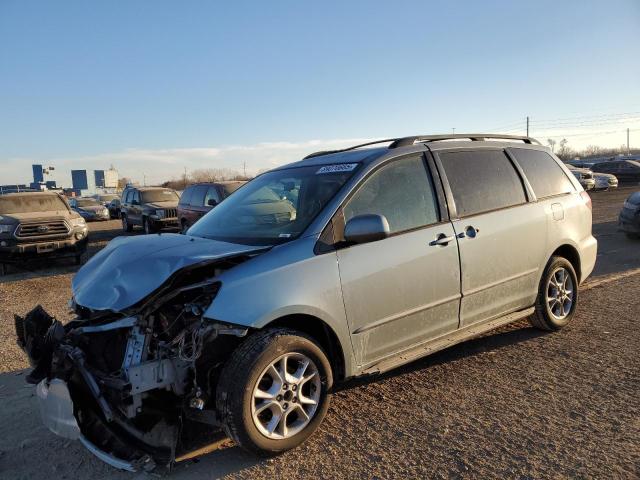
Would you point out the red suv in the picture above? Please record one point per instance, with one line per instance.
(198, 199)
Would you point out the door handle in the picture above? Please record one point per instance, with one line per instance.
(442, 240)
(471, 231)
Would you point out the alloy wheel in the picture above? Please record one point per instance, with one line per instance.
(560, 293)
(286, 396)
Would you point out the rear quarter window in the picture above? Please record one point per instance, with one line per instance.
(482, 181)
(546, 177)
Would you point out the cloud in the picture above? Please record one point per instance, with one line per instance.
(157, 165)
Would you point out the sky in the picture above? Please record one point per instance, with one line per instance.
(154, 87)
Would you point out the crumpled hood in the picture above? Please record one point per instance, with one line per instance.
(130, 268)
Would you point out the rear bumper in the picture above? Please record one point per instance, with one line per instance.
(588, 254)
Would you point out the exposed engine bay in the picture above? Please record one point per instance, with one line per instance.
(136, 386)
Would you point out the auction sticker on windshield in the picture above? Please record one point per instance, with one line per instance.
(340, 167)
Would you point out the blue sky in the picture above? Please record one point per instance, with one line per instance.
(155, 86)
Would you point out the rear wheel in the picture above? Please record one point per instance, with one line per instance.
(557, 295)
(632, 236)
(273, 391)
(126, 226)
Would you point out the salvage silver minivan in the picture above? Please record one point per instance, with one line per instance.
(346, 263)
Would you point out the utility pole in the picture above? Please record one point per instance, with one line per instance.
(244, 168)
(184, 178)
(527, 126)
(453, 130)
(628, 151)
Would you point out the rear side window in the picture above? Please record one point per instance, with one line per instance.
(401, 191)
(544, 174)
(212, 194)
(185, 198)
(482, 181)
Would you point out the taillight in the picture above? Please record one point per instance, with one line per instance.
(586, 199)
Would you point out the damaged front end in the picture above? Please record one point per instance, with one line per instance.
(136, 386)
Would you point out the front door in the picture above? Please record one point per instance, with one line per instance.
(405, 289)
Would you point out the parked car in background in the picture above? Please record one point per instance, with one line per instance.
(114, 208)
(627, 171)
(39, 224)
(246, 322)
(629, 218)
(106, 198)
(200, 198)
(581, 163)
(584, 176)
(152, 208)
(89, 208)
(604, 181)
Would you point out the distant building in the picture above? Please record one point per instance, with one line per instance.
(82, 182)
(13, 188)
(99, 178)
(38, 174)
(79, 179)
(111, 178)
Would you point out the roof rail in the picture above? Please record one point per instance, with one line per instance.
(327, 152)
(408, 141)
(474, 137)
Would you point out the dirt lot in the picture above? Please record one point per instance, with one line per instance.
(515, 403)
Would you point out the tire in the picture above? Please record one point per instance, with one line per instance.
(126, 226)
(148, 227)
(183, 226)
(3, 269)
(78, 259)
(246, 371)
(555, 307)
(632, 236)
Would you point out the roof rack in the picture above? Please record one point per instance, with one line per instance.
(408, 141)
(474, 137)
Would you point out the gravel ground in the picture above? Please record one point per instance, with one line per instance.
(514, 403)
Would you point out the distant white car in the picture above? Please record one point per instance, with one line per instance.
(605, 181)
(584, 176)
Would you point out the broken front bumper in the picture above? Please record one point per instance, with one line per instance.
(56, 409)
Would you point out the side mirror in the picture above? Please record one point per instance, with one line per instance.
(366, 228)
(212, 202)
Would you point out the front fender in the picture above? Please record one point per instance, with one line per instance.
(288, 280)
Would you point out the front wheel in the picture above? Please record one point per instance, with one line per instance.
(273, 391)
(126, 226)
(557, 295)
(149, 227)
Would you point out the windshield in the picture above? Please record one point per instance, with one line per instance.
(28, 203)
(274, 207)
(87, 202)
(165, 195)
